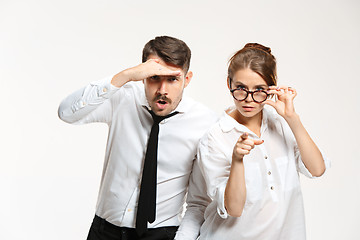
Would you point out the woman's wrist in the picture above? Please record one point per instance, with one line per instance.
(237, 158)
(292, 118)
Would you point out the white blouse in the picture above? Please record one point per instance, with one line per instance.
(274, 205)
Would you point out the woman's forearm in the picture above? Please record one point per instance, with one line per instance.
(235, 191)
(310, 154)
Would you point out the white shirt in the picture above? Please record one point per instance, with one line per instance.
(274, 206)
(124, 110)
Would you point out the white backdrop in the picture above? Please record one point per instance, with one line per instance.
(50, 171)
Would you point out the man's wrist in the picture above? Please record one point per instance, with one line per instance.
(120, 79)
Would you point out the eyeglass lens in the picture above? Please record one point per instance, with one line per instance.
(258, 96)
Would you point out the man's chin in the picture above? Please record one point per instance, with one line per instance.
(161, 112)
(160, 109)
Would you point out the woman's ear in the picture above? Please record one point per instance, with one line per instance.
(228, 80)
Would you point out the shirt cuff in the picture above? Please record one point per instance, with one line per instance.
(220, 197)
(306, 172)
(104, 88)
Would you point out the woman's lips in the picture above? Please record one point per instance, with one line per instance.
(248, 108)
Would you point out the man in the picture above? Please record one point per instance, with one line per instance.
(134, 190)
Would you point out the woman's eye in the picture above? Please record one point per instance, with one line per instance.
(172, 79)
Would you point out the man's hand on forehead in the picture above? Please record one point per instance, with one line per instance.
(151, 67)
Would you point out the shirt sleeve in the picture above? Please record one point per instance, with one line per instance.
(301, 166)
(89, 104)
(292, 144)
(197, 201)
(216, 170)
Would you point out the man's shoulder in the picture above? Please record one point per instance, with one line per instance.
(197, 109)
(137, 86)
(130, 91)
(213, 130)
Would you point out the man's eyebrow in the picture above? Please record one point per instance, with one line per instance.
(172, 76)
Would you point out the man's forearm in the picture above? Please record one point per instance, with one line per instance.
(78, 105)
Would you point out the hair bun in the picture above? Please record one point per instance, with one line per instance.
(259, 47)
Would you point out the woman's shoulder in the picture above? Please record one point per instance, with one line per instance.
(272, 117)
(218, 131)
(277, 123)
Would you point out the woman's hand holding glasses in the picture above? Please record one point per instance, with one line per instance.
(283, 103)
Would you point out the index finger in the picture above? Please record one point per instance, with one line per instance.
(163, 71)
(244, 136)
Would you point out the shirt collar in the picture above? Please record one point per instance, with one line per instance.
(228, 123)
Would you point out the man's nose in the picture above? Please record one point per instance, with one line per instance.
(162, 87)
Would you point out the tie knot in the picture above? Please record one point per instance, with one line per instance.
(157, 119)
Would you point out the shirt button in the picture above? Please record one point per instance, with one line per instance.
(129, 210)
(272, 188)
(269, 173)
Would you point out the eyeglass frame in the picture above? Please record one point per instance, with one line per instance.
(247, 93)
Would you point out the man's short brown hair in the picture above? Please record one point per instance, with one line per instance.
(170, 50)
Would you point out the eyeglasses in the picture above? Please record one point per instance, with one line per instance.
(241, 94)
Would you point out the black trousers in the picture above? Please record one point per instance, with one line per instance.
(103, 230)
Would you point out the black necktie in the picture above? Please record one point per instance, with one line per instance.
(147, 200)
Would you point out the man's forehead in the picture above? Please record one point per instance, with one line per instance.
(167, 64)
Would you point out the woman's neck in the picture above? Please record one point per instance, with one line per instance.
(252, 123)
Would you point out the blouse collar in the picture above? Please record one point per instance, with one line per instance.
(227, 123)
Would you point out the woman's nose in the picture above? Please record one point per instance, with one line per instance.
(249, 98)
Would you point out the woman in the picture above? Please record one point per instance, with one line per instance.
(252, 156)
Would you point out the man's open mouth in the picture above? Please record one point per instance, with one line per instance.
(162, 102)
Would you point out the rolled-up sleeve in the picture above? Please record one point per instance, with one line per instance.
(216, 170)
(301, 166)
(197, 201)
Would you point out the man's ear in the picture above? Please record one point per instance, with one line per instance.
(188, 78)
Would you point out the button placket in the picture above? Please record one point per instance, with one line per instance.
(269, 175)
(268, 166)
(129, 211)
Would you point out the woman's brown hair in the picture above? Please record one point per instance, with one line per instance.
(257, 58)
